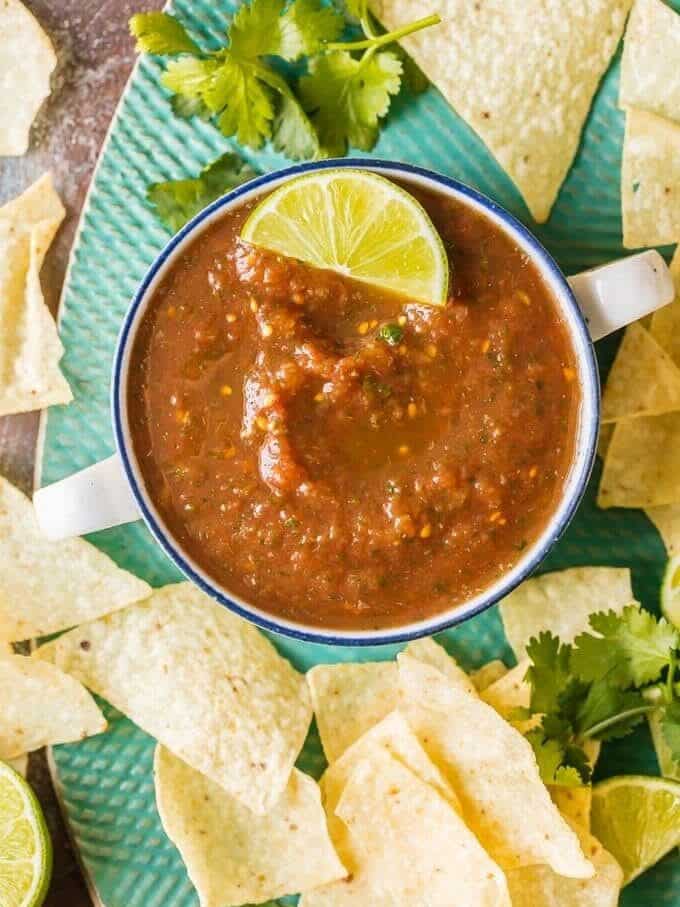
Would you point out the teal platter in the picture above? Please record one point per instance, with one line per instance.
(105, 783)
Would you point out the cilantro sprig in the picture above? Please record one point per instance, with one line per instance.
(601, 687)
(345, 93)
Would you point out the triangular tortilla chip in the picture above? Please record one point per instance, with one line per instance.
(431, 653)
(665, 326)
(643, 381)
(650, 180)
(30, 348)
(50, 586)
(562, 602)
(642, 468)
(649, 65)
(521, 73)
(26, 63)
(511, 692)
(408, 846)
(42, 706)
(233, 856)
(493, 770)
(203, 682)
(667, 521)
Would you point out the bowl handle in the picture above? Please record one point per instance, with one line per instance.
(616, 294)
(94, 498)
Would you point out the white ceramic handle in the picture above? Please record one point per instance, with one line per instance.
(94, 498)
(621, 292)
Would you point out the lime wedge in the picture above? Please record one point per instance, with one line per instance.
(637, 819)
(25, 847)
(356, 223)
(670, 591)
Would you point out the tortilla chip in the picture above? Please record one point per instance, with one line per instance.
(642, 468)
(493, 770)
(203, 682)
(486, 675)
(348, 699)
(643, 381)
(42, 706)
(667, 521)
(26, 63)
(511, 692)
(606, 432)
(30, 348)
(668, 766)
(650, 180)
(649, 65)
(525, 90)
(408, 846)
(665, 326)
(562, 602)
(232, 856)
(50, 586)
(539, 886)
(574, 802)
(431, 653)
(20, 764)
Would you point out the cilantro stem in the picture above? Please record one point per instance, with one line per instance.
(388, 38)
(615, 719)
(670, 680)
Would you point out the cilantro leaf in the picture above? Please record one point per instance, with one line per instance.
(616, 712)
(292, 132)
(243, 102)
(268, 28)
(162, 34)
(346, 98)
(548, 673)
(189, 77)
(189, 107)
(414, 78)
(670, 726)
(565, 765)
(176, 201)
(632, 648)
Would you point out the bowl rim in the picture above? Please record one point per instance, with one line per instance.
(456, 614)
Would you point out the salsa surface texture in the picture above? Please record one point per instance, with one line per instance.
(338, 455)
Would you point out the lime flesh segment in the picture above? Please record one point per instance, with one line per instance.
(359, 224)
(637, 819)
(25, 847)
(670, 591)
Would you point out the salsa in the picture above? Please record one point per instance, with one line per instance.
(341, 456)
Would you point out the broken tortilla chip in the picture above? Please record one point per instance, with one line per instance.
(26, 64)
(348, 699)
(42, 706)
(562, 602)
(233, 856)
(650, 180)
(50, 586)
(525, 90)
(493, 770)
(649, 65)
(643, 381)
(665, 325)
(203, 682)
(30, 348)
(539, 886)
(642, 468)
(408, 846)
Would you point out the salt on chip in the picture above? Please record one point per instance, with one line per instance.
(667, 521)
(649, 65)
(233, 856)
(350, 698)
(30, 348)
(42, 706)
(408, 846)
(665, 325)
(50, 586)
(493, 770)
(26, 64)
(521, 73)
(488, 673)
(430, 652)
(642, 467)
(650, 180)
(203, 682)
(562, 602)
(539, 886)
(643, 381)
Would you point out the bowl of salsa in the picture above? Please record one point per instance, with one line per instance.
(340, 463)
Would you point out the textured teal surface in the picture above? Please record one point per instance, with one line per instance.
(106, 782)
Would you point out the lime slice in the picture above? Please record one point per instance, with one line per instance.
(637, 819)
(25, 847)
(670, 591)
(356, 223)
